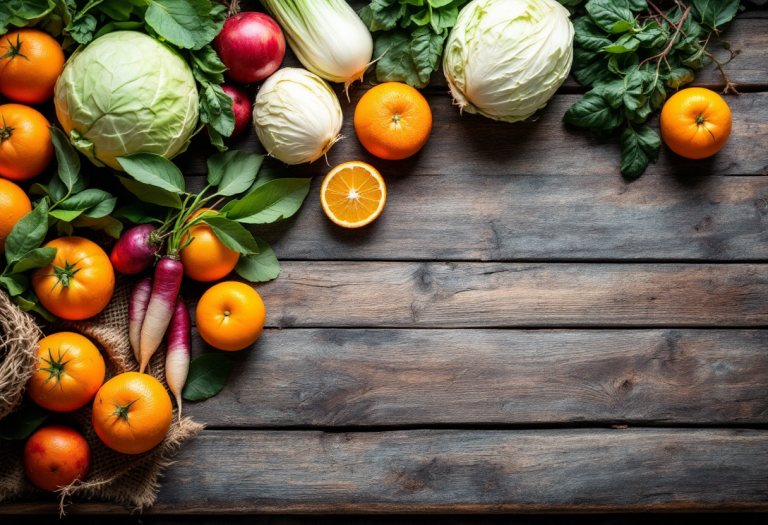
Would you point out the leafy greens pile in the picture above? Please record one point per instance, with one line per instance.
(187, 26)
(631, 52)
(409, 37)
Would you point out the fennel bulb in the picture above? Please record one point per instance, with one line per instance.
(505, 59)
(327, 36)
(297, 116)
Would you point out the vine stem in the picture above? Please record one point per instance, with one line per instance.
(678, 29)
(730, 87)
(661, 13)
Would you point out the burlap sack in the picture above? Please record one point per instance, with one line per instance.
(18, 347)
(131, 480)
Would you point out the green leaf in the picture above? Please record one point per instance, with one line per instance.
(679, 77)
(623, 64)
(207, 376)
(37, 258)
(715, 13)
(633, 90)
(208, 63)
(65, 215)
(396, 63)
(381, 17)
(81, 30)
(265, 176)
(589, 68)
(27, 234)
(421, 18)
(444, 18)
(426, 51)
(638, 5)
(626, 44)
(29, 303)
(20, 424)
(66, 157)
(233, 172)
(259, 268)
(16, 284)
(139, 213)
(118, 26)
(589, 35)
(270, 202)
(233, 235)
(64, 228)
(155, 170)
(117, 9)
(216, 140)
(639, 146)
(184, 23)
(651, 36)
(152, 194)
(593, 111)
(216, 109)
(613, 16)
(87, 200)
(108, 225)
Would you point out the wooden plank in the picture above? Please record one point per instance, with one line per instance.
(470, 146)
(475, 295)
(482, 377)
(534, 217)
(465, 471)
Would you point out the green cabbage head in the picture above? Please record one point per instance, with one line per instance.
(505, 59)
(127, 93)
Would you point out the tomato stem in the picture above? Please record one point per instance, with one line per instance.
(55, 367)
(122, 410)
(63, 275)
(14, 51)
(6, 131)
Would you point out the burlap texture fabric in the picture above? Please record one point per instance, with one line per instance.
(18, 345)
(131, 480)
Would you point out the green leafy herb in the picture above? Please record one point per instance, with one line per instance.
(21, 424)
(409, 37)
(207, 376)
(259, 268)
(630, 52)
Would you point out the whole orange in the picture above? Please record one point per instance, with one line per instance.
(30, 63)
(393, 121)
(69, 372)
(695, 123)
(230, 316)
(206, 258)
(79, 282)
(14, 204)
(26, 147)
(56, 456)
(132, 413)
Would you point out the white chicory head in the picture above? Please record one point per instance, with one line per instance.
(126, 93)
(327, 36)
(505, 59)
(297, 116)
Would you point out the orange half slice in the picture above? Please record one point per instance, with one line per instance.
(353, 194)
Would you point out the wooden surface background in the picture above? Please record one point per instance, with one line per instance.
(484, 345)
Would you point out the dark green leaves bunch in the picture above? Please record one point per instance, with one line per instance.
(632, 56)
(187, 26)
(253, 197)
(409, 37)
(65, 203)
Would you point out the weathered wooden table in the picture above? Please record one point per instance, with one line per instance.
(521, 330)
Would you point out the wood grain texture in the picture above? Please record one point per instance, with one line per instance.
(488, 377)
(557, 217)
(472, 146)
(473, 295)
(465, 471)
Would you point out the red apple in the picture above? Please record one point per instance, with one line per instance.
(251, 45)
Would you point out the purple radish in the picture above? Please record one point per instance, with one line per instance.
(136, 249)
(162, 303)
(139, 301)
(177, 356)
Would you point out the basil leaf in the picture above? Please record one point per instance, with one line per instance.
(66, 157)
(259, 268)
(27, 234)
(626, 44)
(382, 17)
(16, 284)
(155, 170)
(714, 13)
(233, 172)
(185, 23)
(21, 424)
(152, 194)
(233, 235)
(207, 376)
(589, 68)
(589, 35)
(273, 201)
(37, 258)
(613, 16)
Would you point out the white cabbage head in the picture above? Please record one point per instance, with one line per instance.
(126, 93)
(505, 59)
(297, 116)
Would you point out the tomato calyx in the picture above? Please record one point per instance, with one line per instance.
(13, 50)
(63, 275)
(121, 411)
(700, 121)
(55, 367)
(6, 131)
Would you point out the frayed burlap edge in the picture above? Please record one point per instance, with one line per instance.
(19, 335)
(130, 480)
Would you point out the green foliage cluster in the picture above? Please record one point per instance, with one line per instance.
(632, 53)
(409, 37)
(187, 26)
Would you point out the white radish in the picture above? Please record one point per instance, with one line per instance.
(177, 355)
(165, 290)
(139, 301)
